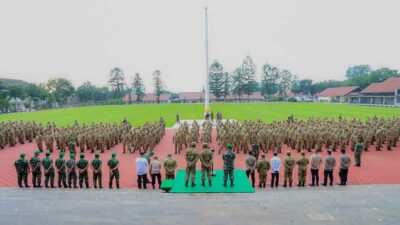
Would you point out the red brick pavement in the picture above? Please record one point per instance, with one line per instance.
(377, 167)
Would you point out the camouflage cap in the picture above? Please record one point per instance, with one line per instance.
(23, 154)
(48, 153)
(72, 155)
(151, 152)
(37, 152)
(263, 155)
(303, 153)
(82, 155)
(193, 144)
(205, 145)
(113, 154)
(97, 154)
(62, 154)
(288, 153)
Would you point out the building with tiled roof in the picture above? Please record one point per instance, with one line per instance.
(384, 93)
(148, 98)
(337, 94)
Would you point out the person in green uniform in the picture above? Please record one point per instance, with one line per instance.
(22, 168)
(229, 166)
(302, 162)
(191, 157)
(71, 171)
(36, 170)
(60, 167)
(83, 166)
(262, 168)
(357, 152)
(170, 165)
(206, 159)
(97, 174)
(49, 172)
(113, 169)
(288, 163)
(71, 143)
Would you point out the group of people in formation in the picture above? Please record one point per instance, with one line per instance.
(96, 137)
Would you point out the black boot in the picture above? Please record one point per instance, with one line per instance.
(193, 184)
(186, 183)
(290, 184)
(224, 183)
(299, 185)
(203, 183)
(232, 183)
(209, 183)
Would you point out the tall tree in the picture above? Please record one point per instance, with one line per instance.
(227, 85)
(249, 70)
(61, 89)
(302, 86)
(16, 91)
(158, 84)
(216, 79)
(286, 79)
(138, 87)
(4, 103)
(269, 80)
(357, 71)
(117, 82)
(238, 83)
(85, 92)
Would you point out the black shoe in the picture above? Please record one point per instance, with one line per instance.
(299, 185)
(100, 187)
(232, 184)
(209, 183)
(95, 187)
(312, 185)
(27, 186)
(193, 184)
(224, 184)
(260, 186)
(324, 185)
(203, 184)
(186, 184)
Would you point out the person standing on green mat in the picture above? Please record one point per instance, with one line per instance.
(206, 158)
(191, 157)
(229, 166)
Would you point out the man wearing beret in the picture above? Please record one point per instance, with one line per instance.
(83, 166)
(36, 170)
(229, 166)
(113, 169)
(22, 167)
(60, 167)
(49, 172)
(97, 174)
(71, 170)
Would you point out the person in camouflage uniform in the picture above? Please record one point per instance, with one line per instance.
(97, 173)
(113, 169)
(191, 157)
(262, 168)
(71, 171)
(206, 159)
(229, 166)
(83, 166)
(288, 164)
(302, 162)
(358, 148)
(36, 170)
(60, 167)
(39, 142)
(49, 172)
(71, 143)
(22, 168)
(170, 165)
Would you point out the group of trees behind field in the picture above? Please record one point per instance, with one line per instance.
(246, 79)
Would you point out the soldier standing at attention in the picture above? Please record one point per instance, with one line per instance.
(49, 172)
(170, 165)
(288, 164)
(316, 161)
(97, 174)
(71, 170)
(302, 170)
(83, 166)
(39, 142)
(262, 169)
(330, 163)
(113, 169)
(60, 167)
(357, 152)
(22, 167)
(191, 157)
(178, 121)
(229, 166)
(206, 158)
(345, 163)
(36, 170)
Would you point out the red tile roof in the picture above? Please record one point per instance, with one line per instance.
(388, 86)
(338, 91)
(148, 97)
(191, 95)
(200, 95)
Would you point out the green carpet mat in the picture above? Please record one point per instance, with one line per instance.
(242, 183)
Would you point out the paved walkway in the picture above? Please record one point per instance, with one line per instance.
(357, 204)
(377, 167)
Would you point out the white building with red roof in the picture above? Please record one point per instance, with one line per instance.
(385, 93)
(337, 94)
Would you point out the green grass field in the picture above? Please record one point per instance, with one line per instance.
(138, 114)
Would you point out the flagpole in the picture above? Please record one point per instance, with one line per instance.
(206, 87)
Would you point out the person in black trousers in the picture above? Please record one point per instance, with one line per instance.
(275, 166)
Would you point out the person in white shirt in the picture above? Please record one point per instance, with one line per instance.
(141, 170)
(155, 171)
(275, 166)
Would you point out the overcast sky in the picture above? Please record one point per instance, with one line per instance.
(83, 40)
